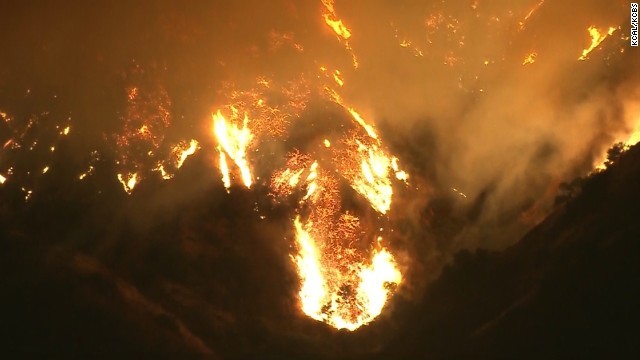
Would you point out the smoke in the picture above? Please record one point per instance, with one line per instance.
(502, 133)
(486, 140)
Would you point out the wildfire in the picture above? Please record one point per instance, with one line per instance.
(347, 299)
(340, 285)
(596, 39)
(233, 142)
(128, 181)
(345, 279)
(182, 153)
(338, 78)
(332, 20)
(628, 139)
(530, 13)
(339, 28)
(530, 59)
(371, 178)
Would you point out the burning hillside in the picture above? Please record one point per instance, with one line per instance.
(288, 177)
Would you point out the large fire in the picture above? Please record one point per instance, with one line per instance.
(346, 278)
(339, 182)
(346, 270)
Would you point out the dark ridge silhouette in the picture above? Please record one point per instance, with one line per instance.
(142, 276)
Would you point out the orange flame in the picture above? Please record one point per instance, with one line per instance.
(340, 285)
(233, 142)
(183, 154)
(331, 19)
(339, 28)
(596, 39)
(530, 59)
(128, 181)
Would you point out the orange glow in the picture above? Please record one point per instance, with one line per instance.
(628, 139)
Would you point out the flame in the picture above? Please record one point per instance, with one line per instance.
(343, 282)
(367, 167)
(400, 174)
(312, 291)
(183, 154)
(368, 128)
(165, 175)
(86, 173)
(339, 28)
(128, 181)
(628, 139)
(373, 178)
(2, 179)
(344, 299)
(233, 142)
(530, 13)
(338, 78)
(332, 20)
(596, 39)
(530, 59)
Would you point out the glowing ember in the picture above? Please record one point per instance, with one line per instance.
(339, 28)
(530, 13)
(331, 19)
(128, 181)
(530, 59)
(165, 175)
(596, 39)
(400, 174)
(368, 128)
(233, 142)
(338, 78)
(182, 153)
